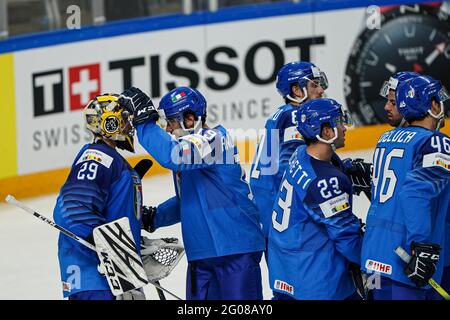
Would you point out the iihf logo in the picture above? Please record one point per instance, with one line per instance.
(411, 93)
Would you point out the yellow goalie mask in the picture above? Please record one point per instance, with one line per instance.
(106, 118)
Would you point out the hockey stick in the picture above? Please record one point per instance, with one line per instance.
(10, 199)
(141, 169)
(406, 258)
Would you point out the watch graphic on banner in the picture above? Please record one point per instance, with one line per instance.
(410, 38)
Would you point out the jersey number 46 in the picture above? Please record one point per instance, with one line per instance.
(384, 173)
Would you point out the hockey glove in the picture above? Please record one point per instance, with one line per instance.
(423, 262)
(360, 173)
(139, 105)
(148, 216)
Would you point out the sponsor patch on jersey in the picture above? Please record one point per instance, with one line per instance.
(378, 266)
(67, 287)
(284, 286)
(200, 143)
(334, 206)
(292, 134)
(437, 159)
(96, 156)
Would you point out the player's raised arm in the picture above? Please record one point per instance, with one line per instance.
(190, 144)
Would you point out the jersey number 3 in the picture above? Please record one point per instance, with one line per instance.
(285, 205)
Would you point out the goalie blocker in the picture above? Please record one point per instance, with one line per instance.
(119, 259)
(123, 266)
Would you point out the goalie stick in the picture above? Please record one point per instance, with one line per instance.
(406, 258)
(10, 199)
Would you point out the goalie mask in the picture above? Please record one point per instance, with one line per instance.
(106, 118)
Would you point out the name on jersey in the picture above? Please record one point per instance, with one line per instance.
(284, 286)
(97, 156)
(400, 136)
(378, 266)
(436, 159)
(334, 206)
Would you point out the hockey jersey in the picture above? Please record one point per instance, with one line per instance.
(279, 141)
(314, 234)
(213, 200)
(410, 199)
(101, 187)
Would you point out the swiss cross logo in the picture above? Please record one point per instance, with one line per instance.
(84, 84)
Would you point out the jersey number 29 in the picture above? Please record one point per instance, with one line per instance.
(87, 170)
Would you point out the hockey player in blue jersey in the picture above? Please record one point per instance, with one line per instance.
(394, 118)
(101, 187)
(297, 82)
(314, 235)
(411, 195)
(220, 223)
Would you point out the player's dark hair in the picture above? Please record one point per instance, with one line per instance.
(286, 100)
(425, 115)
(314, 140)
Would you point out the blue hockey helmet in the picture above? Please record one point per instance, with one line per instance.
(315, 113)
(299, 72)
(394, 81)
(414, 97)
(180, 100)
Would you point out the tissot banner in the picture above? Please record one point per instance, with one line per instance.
(233, 63)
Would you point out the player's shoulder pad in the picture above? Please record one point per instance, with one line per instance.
(198, 142)
(99, 155)
(287, 116)
(287, 124)
(436, 151)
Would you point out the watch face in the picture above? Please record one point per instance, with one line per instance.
(407, 41)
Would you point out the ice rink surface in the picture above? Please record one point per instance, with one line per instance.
(29, 265)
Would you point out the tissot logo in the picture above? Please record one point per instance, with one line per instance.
(84, 84)
(227, 67)
(48, 92)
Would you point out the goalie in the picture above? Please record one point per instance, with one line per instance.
(102, 188)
